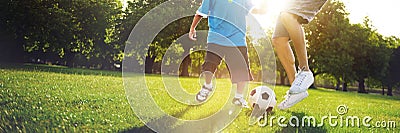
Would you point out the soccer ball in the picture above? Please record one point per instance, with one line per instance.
(263, 98)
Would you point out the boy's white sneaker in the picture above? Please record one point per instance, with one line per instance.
(292, 99)
(303, 80)
(203, 94)
(240, 102)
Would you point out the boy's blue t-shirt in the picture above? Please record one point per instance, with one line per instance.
(227, 21)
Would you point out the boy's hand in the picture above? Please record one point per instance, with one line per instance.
(192, 35)
(192, 32)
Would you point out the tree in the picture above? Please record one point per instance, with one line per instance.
(11, 49)
(348, 52)
(380, 56)
(26, 23)
(137, 9)
(372, 58)
(329, 43)
(60, 31)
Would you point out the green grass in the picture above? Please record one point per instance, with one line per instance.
(37, 98)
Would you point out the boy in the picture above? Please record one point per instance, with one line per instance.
(289, 27)
(226, 39)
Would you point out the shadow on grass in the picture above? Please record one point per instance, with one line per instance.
(170, 124)
(300, 128)
(59, 69)
(166, 120)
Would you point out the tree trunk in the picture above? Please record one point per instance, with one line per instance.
(389, 91)
(383, 90)
(313, 86)
(282, 77)
(344, 86)
(315, 74)
(185, 66)
(106, 63)
(361, 86)
(69, 58)
(149, 64)
(337, 84)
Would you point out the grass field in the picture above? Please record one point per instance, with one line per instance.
(36, 98)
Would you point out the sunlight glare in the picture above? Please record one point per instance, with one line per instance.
(274, 7)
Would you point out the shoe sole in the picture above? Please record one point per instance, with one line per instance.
(294, 103)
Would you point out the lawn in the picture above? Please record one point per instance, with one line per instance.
(39, 98)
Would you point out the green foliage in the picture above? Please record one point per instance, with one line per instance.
(69, 30)
(197, 58)
(329, 44)
(348, 52)
(159, 45)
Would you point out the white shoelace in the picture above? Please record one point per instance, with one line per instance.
(204, 92)
(287, 96)
(299, 77)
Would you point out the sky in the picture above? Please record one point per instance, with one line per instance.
(384, 14)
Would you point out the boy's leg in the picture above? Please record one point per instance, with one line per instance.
(208, 76)
(239, 98)
(240, 88)
(212, 60)
(238, 64)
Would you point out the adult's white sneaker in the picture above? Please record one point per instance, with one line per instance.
(303, 80)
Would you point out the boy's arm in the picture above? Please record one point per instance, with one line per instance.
(192, 32)
(261, 8)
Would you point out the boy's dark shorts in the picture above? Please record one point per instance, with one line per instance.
(236, 59)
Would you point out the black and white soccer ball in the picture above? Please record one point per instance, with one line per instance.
(263, 98)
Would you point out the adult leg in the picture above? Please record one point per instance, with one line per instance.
(286, 56)
(296, 34)
(300, 83)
